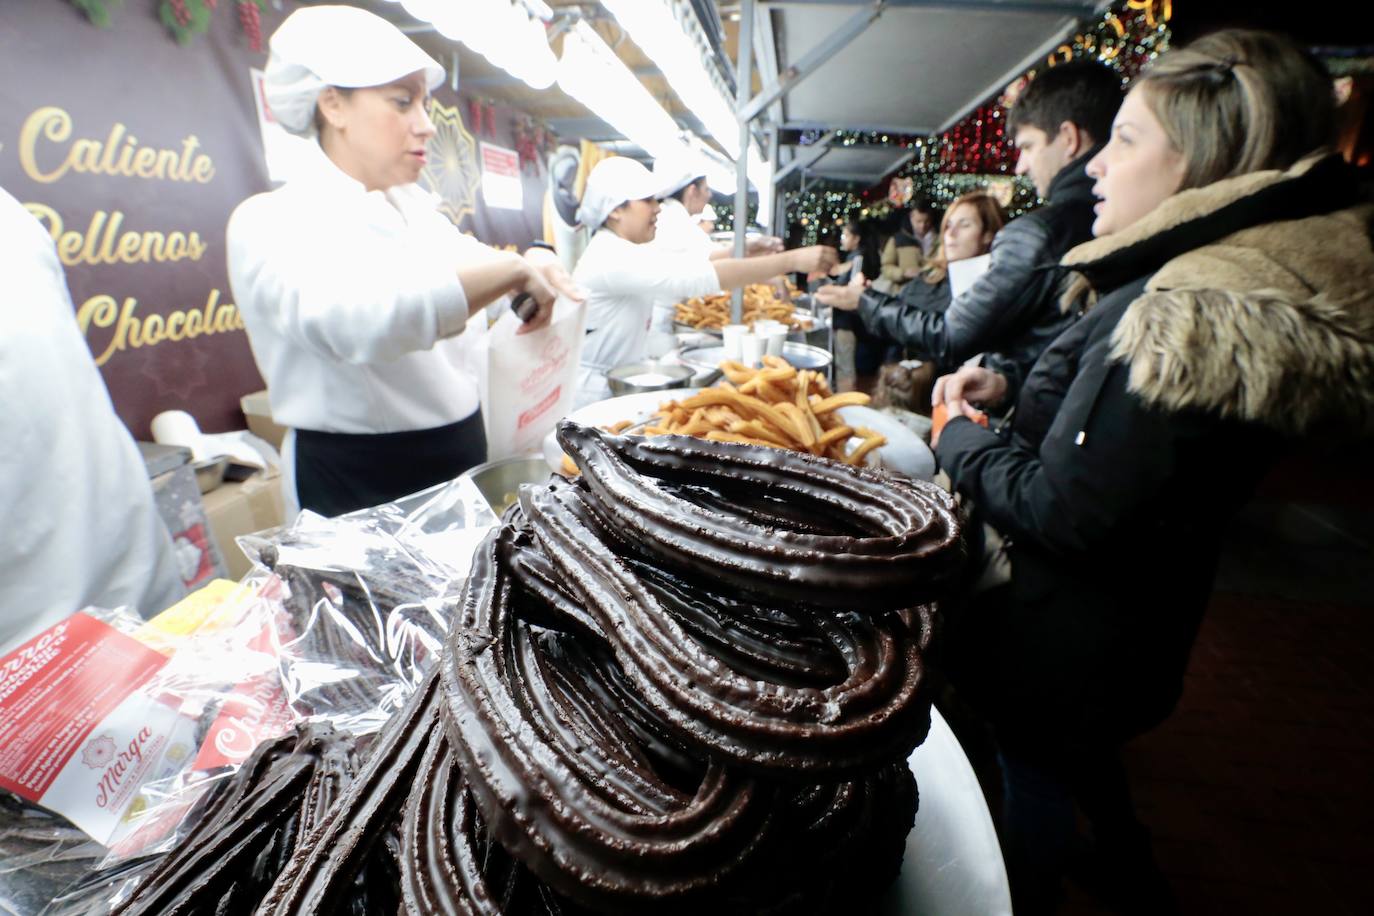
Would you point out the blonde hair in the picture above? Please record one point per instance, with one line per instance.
(1240, 101)
(990, 214)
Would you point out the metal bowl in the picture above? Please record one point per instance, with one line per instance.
(800, 355)
(635, 378)
(499, 481)
(210, 472)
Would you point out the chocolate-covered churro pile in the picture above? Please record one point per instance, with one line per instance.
(689, 679)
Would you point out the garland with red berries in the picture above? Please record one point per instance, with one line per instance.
(186, 19)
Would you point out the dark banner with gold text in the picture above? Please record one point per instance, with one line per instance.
(133, 150)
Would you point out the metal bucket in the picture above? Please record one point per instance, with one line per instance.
(636, 378)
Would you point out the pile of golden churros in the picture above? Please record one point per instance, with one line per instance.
(778, 406)
(760, 302)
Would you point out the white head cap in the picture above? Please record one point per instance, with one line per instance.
(613, 182)
(707, 214)
(675, 173)
(320, 46)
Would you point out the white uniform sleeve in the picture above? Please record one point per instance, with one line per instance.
(357, 299)
(655, 275)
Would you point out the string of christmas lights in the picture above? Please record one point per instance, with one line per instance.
(977, 152)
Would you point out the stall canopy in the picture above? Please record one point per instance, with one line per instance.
(904, 66)
(917, 69)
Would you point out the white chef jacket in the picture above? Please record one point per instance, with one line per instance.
(623, 280)
(678, 235)
(351, 298)
(80, 524)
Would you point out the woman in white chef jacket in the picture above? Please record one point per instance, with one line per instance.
(684, 194)
(622, 275)
(352, 285)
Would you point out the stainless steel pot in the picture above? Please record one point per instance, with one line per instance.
(499, 481)
(634, 378)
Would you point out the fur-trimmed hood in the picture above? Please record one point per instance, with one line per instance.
(1260, 304)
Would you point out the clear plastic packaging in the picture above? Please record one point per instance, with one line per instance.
(364, 612)
(334, 628)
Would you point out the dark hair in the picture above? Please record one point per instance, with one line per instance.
(682, 191)
(870, 245)
(923, 205)
(990, 215)
(1239, 101)
(1083, 92)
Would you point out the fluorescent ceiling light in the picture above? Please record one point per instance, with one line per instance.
(654, 27)
(501, 31)
(590, 72)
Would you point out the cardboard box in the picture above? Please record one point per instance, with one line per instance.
(257, 409)
(235, 509)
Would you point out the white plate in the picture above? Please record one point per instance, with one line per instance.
(632, 407)
(905, 452)
(953, 865)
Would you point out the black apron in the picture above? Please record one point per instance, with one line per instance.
(341, 472)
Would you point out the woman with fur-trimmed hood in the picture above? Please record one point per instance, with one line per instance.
(1227, 312)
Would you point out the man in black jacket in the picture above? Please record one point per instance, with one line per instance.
(1012, 312)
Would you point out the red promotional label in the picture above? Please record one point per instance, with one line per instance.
(538, 410)
(55, 689)
(257, 712)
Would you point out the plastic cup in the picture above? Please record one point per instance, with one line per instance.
(752, 348)
(731, 335)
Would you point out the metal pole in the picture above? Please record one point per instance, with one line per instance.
(769, 220)
(744, 84)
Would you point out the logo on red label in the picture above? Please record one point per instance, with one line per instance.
(98, 752)
(130, 759)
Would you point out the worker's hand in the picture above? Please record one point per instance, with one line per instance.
(534, 286)
(762, 244)
(817, 259)
(845, 298)
(911, 272)
(969, 386)
(548, 265)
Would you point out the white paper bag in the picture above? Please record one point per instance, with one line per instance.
(963, 273)
(528, 382)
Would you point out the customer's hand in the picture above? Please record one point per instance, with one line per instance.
(970, 385)
(817, 259)
(845, 298)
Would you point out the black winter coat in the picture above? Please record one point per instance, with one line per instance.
(1012, 311)
(918, 301)
(1142, 429)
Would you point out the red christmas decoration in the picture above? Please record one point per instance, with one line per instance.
(250, 17)
(526, 147)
